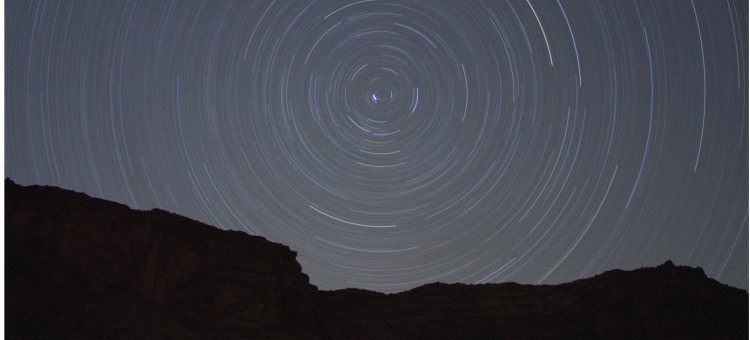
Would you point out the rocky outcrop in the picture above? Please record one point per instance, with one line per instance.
(76, 263)
(666, 302)
(84, 268)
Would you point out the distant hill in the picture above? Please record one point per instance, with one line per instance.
(77, 267)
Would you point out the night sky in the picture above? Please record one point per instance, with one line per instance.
(396, 143)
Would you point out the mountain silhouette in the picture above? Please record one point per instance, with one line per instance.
(78, 267)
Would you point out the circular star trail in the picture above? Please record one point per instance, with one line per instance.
(396, 143)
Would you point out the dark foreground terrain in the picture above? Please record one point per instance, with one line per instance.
(83, 268)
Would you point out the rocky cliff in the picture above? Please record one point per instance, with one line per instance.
(84, 268)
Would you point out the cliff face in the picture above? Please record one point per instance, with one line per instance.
(84, 268)
(78, 264)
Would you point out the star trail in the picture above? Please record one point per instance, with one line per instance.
(397, 143)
